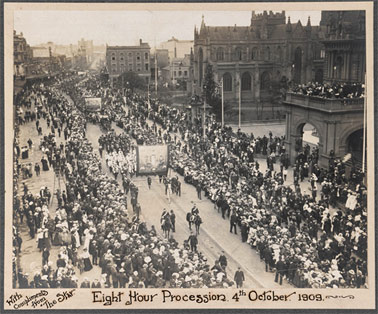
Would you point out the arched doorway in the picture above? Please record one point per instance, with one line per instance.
(308, 141)
(246, 80)
(297, 65)
(354, 145)
(265, 81)
(200, 66)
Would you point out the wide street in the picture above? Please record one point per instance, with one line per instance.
(214, 233)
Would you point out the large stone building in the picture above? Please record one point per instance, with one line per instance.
(339, 122)
(249, 58)
(344, 44)
(22, 55)
(120, 59)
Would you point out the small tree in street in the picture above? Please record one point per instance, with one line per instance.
(277, 89)
(212, 93)
(132, 81)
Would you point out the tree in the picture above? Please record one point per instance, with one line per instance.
(132, 81)
(212, 92)
(277, 89)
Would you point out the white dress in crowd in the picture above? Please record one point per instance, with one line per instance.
(88, 237)
(351, 201)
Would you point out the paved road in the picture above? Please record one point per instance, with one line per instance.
(214, 234)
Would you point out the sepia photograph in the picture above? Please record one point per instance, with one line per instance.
(168, 149)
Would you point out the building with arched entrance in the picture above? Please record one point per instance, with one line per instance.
(338, 121)
(338, 124)
(249, 58)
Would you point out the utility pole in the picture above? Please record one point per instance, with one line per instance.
(222, 103)
(239, 103)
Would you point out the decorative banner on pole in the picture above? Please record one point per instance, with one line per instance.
(152, 160)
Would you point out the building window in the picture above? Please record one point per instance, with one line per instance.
(130, 54)
(279, 54)
(138, 70)
(255, 53)
(267, 53)
(246, 81)
(174, 73)
(146, 66)
(185, 73)
(322, 54)
(238, 54)
(227, 82)
(113, 58)
(146, 55)
(180, 73)
(265, 81)
(138, 58)
(121, 58)
(220, 54)
(130, 67)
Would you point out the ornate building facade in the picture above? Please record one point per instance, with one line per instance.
(344, 44)
(248, 58)
(339, 122)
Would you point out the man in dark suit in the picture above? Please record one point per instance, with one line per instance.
(193, 241)
(280, 270)
(239, 278)
(233, 222)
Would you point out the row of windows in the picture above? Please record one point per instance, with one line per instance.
(131, 65)
(180, 73)
(246, 81)
(255, 54)
(130, 55)
(130, 68)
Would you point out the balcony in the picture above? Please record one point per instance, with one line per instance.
(325, 104)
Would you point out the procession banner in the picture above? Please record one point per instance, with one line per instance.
(152, 160)
(93, 104)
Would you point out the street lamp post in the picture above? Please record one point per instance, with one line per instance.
(239, 103)
(148, 94)
(204, 117)
(222, 103)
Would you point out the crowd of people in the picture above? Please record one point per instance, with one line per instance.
(330, 90)
(91, 223)
(322, 240)
(312, 240)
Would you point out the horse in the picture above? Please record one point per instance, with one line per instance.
(166, 226)
(197, 222)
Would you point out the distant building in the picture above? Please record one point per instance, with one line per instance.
(120, 59)
(178, 72)
(41, 52)
(86, 48)
(249, 58)
(22, 54)
(177, 48)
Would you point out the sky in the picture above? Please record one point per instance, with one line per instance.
(127, 27)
